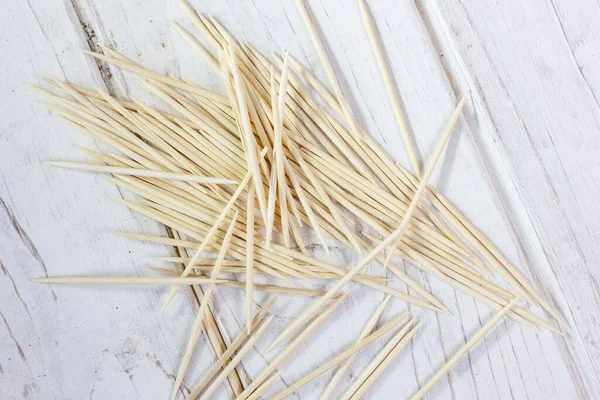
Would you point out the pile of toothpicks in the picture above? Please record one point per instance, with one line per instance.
(238, 178)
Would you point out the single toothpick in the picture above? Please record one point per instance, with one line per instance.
(389, 86)
(196, 45)
(428, 172)
(230, 351)
(200, 315)
(385, 363)
(339, 373)
(464, 350)
(249, 255)
(343, 356)
(142, 172)
(126, 280)
(316, 40)
(236, 360)
(281, 357)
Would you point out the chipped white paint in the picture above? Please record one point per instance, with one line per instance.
(524, 167)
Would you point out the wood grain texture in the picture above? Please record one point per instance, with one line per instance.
(523, 166)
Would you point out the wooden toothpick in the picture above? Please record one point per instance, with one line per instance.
(202, 309)
(464, 350)
(281, 357)
(428, 172)
(339, 373)
(343, 356)
(249, 255)
(142, 172)
(389, 86)
(230, 351)
(385, 363)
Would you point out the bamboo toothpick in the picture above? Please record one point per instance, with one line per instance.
(389, 86)
(208, 237)
(316, 40)
(159, 77)
(196, 45)
(464, 350)
(202, 309)
(142, 172)
(343, 356)
(281, 357)
(226, 355)
(249, 255)
(378, 359)
(339, 373)
(428, 172)
(385, 363)
(236, 360)
(125, 280)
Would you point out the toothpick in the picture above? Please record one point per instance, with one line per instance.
(142, 172)
(230, 351)
(236, 360)
(160, 78)
(202, 309)
(343, 356)
(316, 40)
(389, 86)
(464, 350)
(368, 382)
(339, 373)
(428, 172)
(249, 255)
(197, 21)
(125, 280)
(196, 45)
(281, 357)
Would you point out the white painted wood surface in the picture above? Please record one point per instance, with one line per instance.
(524, 166)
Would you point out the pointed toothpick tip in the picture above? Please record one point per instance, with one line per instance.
(271, 347)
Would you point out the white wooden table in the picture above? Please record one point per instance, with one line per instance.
(524, 166)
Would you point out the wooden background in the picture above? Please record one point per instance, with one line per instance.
(524, 165)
